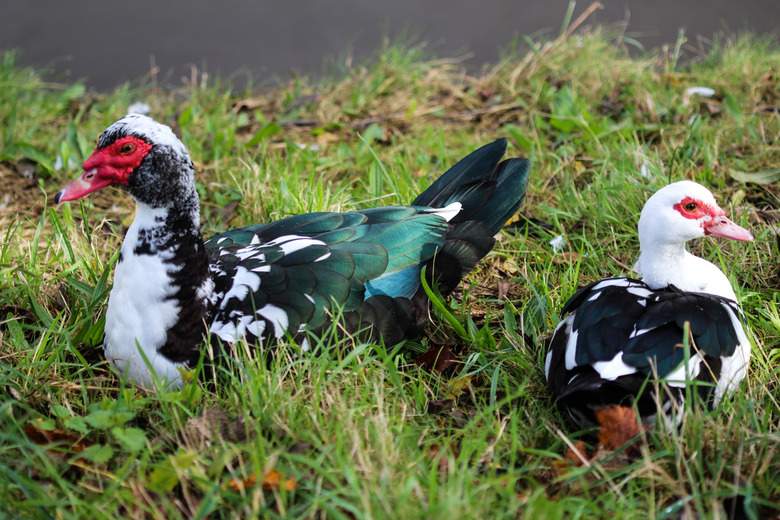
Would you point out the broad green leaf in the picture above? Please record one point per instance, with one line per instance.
(98, 453)
(77, 424)
(163, 477)
(769, 176)
(131, 439)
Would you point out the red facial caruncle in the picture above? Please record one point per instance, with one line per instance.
(712, 219)
(695, 209)
(109, 165)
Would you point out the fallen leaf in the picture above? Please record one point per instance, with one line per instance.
(760, 177)
(571, 458)
(617, 426)
(212, 424)
(272, 480)
(40, 433)
(437, 358)
(240, 484)
(434, 453)
(249, 104)
(503, 289)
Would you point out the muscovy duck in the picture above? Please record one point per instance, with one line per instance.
(618, 332)
(265, 281)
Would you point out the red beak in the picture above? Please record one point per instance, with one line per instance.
(724, 228)
(88, 182)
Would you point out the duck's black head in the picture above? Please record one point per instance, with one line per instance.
(141, 156)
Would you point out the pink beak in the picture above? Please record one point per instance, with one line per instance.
(88, 182)
(724, 228)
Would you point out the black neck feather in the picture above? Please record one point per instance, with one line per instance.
(175, 237)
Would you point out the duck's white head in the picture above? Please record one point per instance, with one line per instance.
(683, 211)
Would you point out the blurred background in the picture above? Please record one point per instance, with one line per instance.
(108, 43)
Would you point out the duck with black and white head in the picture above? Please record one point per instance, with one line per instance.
(266, 281)
(157, 301)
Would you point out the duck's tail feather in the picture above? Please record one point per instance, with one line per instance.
(489, 192)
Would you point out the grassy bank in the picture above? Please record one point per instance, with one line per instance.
(357, 430)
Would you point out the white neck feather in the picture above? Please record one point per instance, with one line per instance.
(140, 308)
(661, 264)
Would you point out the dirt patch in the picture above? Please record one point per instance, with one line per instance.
(21, 196)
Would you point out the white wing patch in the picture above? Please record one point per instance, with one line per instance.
(243, 281)
(733, 368)
(614, 368)
(448, 212)
(291, 243)
(257, 327)
(595, 297)
(247, 252)
(547, 360)
(639, 291)
(618, 282)
(684, 371)
(571, 344)
(276, 316)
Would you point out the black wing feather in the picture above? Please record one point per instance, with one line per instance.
(624, 315)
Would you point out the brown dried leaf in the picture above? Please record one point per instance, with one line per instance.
(213, 424)
(43, 436)
(571, 458)
(617, 426)
(503, 289)
(435, 452)
(249, 104)
(566, 257)
(437, 358)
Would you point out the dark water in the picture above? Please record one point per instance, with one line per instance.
(108, 42)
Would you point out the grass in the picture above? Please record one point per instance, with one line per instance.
(356, 430)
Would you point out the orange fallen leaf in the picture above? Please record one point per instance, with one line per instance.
(571, 458)
(240, 484)
(271, 480)
(572, 455)
(274, 480)
(617, 426)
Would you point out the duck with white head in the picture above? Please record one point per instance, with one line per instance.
(618, 332)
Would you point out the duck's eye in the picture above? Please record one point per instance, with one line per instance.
(691, 206)
(127, 148)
